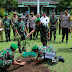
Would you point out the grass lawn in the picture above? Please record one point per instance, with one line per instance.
(62, 49)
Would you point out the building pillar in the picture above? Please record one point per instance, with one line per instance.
(50, 11)
(29, 8)
(41, 8)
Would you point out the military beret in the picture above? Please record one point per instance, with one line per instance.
(37, 20)
(66, 10)
(14, 46)
(27, 11)
(34, 47)
(6, 14)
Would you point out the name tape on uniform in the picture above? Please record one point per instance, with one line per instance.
(50, 55)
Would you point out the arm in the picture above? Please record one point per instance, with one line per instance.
(31, 33)
(17, 33)
(57, 25)
(26, 30)
(16, 63)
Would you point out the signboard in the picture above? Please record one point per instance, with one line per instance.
(35, 3)
(50, 55)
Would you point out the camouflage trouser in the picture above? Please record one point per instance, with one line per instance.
(21, 44)
(14, 32)
(44, 40)
(1, 34)
(52, 29)
(4, 64)
(7, 33)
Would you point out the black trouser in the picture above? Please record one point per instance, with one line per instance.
(59, 27)
(7, 33)
(30, 29)
(37, 33)
(52, 29)
(65, 31)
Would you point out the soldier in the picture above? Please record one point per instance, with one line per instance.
(7, 58)
(38, 16)
(20, 29)
(60, 19)
(45, 19)
(6, 24)
(32, 25)
(43, 30)
(26, 20)
(53, 25)
(14, 20)
(1, 31)
(65, 25)
(41, 51)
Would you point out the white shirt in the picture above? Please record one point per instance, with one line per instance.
(45, 20)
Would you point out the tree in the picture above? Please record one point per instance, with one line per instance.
(2, 2)
(11, 5)
(63, 4)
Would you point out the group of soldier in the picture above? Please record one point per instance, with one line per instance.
(20, 25)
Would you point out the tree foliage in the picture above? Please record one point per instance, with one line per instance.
(9, 4)
(63, 4)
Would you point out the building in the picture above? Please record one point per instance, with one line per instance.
(48, 6)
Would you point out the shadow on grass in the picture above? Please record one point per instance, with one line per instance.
(52, 42)
(66, 50)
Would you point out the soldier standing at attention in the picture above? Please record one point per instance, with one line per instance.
(20, 29)
(65, 25)
(7, 58)
(43, 30)
(60, 19)
(14, 20)
(6, 24)
(53, 25)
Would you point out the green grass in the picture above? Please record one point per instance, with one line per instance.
(62, 49)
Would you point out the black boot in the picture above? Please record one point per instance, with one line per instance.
(23, 49)
(61, 59)
(20, 50)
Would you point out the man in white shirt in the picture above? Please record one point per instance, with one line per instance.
(45, 19)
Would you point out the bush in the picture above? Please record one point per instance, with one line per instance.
(71, 13)
(2, 12)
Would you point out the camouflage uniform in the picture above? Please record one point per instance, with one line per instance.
(43, 50)
(43, 32)
(6, 58)
(21, 30)
(53, 22)
(7, 23)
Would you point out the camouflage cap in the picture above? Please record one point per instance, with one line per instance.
(6, 14)
(37, 20)
(34, 47)
(14, 46)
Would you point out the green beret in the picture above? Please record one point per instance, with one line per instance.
(34, 47)
(20, 17)
(14, 46)
(37, 20)
(6, 14)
